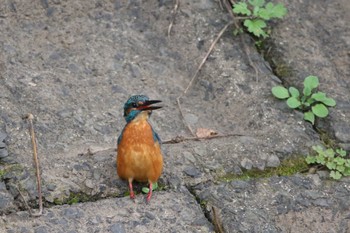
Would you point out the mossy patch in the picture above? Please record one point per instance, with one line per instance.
(2, 173)
(288, 167)
(75, 198)
(12, 168)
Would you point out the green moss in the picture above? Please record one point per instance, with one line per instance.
(14, 168)
(282, 70)
(2, 173)
(75, 198)
(57, 201)
(161, 187)
(288, 167)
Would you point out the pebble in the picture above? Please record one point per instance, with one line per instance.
(273, 161)
(89, 183)
(247, 164)
(117, 228)
(51, 187)
(192, 172)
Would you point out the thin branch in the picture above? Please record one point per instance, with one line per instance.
(196, 73)
(25, 202)
(174, 11)
(207, 55)
(30, 118)
(216, 220)
(179, 139)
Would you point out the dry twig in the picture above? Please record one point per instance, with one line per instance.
(174, 11)
(30, 118)
(179, 139)
(24, 201)
(216, 220)
(196, 73)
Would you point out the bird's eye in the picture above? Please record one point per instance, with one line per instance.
(134, 105)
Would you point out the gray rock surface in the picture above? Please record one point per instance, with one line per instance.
(118, 215)
(73, 64)
(280, 204)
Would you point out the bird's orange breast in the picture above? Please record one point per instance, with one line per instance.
(139, 155)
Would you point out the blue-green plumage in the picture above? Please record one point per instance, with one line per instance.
(133, 107)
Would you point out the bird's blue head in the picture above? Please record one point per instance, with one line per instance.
(136, 104)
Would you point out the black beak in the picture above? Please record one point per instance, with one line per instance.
(147, 103)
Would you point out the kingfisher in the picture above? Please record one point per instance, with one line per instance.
(139, 156)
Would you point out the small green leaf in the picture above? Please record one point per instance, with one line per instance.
(320, 159)
(340, 168)
(341, 152)
(319, 96)
(154, 187)
(311, 82)
(256, 26)
(320, 110)
(318, 149)
(346, 172)
(329, 153)
(293, 102)
(309, 101)
(272, 11)
(258, 3)
(241, 8)
(294, 92)
(310, 159)
(276, 11)
(307, 91)
(339, 161)
(309, 116)
(347, 163)
(264, 14)
(329, 102)
(335, 175)
(255, 11)
(331, 165)
(280, 92)
(306, 104)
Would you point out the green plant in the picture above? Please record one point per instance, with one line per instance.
(288, 167)
(335, 161)
(312, 102)
(154, 187)
(257, 13)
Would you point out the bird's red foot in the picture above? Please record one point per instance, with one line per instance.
(149, 195)
(132, 194)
